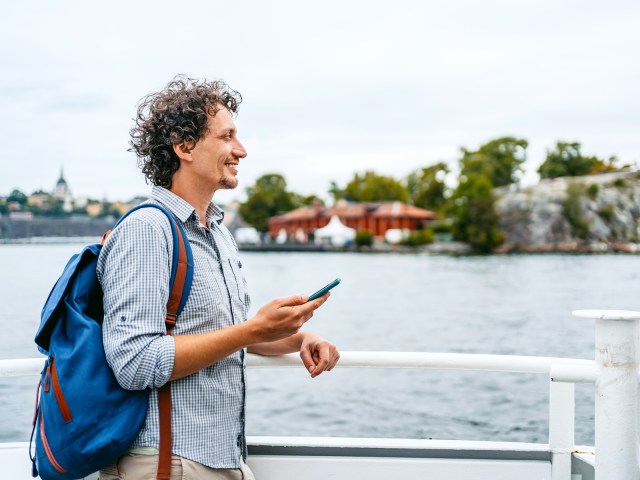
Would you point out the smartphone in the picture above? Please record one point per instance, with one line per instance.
(324, 289)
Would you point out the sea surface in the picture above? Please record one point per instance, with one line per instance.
(516, 304)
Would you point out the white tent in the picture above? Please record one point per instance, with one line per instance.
(247, 235)
(282, 237)
(335, 233)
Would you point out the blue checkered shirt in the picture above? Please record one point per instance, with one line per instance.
(134, 269)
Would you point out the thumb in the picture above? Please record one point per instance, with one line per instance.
(307, 359)
(292, 300)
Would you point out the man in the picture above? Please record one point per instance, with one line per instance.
(188, 147)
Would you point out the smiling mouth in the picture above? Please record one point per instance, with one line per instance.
(233, 166)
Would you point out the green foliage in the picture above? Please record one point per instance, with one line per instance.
(419, 237)
(566, 160)
(371, 187)
(606, 213)
(18, 197)
(441, 227)
(426, 187)
(335, 191)
(108, 210)
(572, 205)
(307, 200)
(619, 183)
(266, 198)
(475, 220)
(364, 238)
(608, 165)
(500, 160)
(592, 191)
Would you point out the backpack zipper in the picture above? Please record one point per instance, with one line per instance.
(57, 391)
(47, 449)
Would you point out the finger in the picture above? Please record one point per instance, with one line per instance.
(291, 301)
(307, 360)
(315, 304)
(322, 361)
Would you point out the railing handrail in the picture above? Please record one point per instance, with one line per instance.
(373, 359)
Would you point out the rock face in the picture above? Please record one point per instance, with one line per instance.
(590, 213)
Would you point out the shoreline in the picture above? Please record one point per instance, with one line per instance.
(437, 248)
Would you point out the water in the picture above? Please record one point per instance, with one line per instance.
(499, 305)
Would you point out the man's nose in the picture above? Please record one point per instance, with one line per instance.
(239, 151)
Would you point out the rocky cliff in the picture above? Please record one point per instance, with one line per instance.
(591, 213)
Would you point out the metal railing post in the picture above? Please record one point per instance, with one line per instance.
(561, 428)
(617, 456)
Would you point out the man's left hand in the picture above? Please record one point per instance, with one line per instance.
(318, 354)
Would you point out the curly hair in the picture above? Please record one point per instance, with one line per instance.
(176, 114)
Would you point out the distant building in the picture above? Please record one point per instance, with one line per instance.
(40, 199)
(62, 192)
(376, 218)
(124, 207)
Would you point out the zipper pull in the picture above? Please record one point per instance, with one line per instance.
(47, 375)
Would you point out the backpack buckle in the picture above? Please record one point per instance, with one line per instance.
(170, 320)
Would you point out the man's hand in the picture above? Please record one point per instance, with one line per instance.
(282, 317)
(318, 354)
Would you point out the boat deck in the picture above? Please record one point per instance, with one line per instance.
(293, 458)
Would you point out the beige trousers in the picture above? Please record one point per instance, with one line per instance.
(132, 466)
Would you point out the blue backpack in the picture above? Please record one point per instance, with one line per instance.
(84, 419)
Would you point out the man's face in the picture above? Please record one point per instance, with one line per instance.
(216, 155)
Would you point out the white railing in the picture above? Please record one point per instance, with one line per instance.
(614, 372)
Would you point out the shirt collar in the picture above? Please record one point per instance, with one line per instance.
(182, 209)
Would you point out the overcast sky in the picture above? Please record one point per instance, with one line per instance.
(329, 88)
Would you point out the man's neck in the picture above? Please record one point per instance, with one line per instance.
(199, 199)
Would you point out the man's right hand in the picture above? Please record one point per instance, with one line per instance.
(282, 317)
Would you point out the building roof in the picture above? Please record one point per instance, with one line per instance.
(355, 210)
(302, 213)
(399, 209)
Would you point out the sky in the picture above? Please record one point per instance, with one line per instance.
(329, 88)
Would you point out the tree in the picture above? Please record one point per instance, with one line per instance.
(500, 160)
(371, 187)
(307, 200)
(475, 220)
(266, 198)
(426, 187)
(18, 197)
(335, 191)
(566, 160)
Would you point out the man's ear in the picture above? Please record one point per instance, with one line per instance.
(183, 150)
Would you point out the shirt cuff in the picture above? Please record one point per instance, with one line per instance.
(166, 359)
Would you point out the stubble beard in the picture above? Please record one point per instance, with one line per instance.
(228, 183)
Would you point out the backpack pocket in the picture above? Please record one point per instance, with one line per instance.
(51, 377)
(47, 449)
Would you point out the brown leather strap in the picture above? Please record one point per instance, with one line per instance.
(164, 394)
(105, 236)
(178, 285)
(165, 450)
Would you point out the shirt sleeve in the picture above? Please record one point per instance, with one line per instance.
(134, 268)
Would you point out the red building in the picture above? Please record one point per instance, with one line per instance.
(377, 218)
